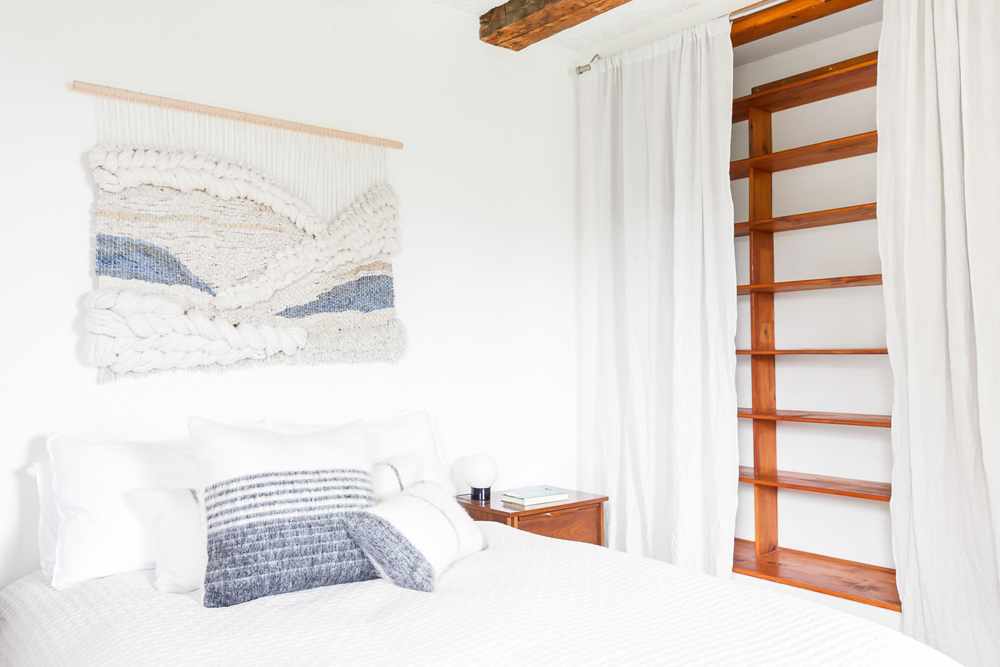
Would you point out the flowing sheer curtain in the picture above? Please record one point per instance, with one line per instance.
(939, 234)
(659, 358)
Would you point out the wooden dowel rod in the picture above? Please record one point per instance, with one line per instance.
(181, 105)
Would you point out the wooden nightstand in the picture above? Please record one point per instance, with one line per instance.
(579, 518)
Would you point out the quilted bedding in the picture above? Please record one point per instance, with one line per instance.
(527, 600)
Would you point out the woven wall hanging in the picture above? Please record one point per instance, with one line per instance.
(278, 252)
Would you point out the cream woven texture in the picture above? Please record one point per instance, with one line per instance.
(116, 168)
(527, 600)
(264, 249)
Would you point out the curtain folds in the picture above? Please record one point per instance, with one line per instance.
(659, 357)
(939, 236)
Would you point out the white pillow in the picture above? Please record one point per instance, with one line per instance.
(48, 519)
(389, 437)
(101, 532)
(176, 526)
(391, 476)
(274, 508)
(415, 535)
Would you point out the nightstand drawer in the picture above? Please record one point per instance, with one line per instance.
(580, 524)
(480, 515)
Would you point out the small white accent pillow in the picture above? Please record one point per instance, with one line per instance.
(393, 475)
(390, 437)
(101, 532)
(176, 527)
(414, 536)
(48, 519)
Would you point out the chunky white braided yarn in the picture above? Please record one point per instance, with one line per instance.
(116, 168)
(133, 332)
(365, 231)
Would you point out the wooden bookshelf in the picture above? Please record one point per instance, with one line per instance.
(806, 285)
(827, 151)
(844, 77)
(784, 16)
(846, 579)
(800, 481)
(789, 223)
(763, 557)
(873, 350)
(843, 418)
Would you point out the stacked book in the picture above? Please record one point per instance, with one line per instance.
(533, 495)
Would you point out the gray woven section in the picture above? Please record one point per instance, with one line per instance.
(278, 532)
(395, 556)
(276, 556)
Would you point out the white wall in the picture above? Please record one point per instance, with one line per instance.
(485, 284)
(847, 528)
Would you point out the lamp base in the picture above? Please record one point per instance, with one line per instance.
(481, 494)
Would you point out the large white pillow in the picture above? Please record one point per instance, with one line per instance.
(48, 519)
(175, 524)
(101, 531)
(274, 509)
(389, 437)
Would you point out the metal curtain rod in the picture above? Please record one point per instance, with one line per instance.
(733, 16)
(181, 105)
(753, 9)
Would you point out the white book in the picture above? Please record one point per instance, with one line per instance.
(533, 495)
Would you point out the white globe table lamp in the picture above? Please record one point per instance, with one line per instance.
(480, 473)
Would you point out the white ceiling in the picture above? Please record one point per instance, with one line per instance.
(600, 29)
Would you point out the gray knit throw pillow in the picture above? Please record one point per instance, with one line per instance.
(393, 555)
(260, 543)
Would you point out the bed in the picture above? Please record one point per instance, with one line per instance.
(525, 600)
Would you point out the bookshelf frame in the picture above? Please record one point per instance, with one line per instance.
(764, 557)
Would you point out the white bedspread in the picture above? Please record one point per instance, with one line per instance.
(527, 600)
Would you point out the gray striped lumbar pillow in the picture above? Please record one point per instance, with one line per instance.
(275, 506)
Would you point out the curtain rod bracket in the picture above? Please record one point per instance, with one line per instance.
(586, 68)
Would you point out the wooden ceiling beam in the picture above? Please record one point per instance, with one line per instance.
(521, 23)
(518, 24)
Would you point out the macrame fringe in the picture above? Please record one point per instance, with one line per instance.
(330, 174)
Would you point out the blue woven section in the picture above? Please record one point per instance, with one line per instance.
(132, 259)
(366, 294)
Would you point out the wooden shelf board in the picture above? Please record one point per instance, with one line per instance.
(845, 418)
(846, 579)
(828, 151)
(844, 77)
(805, 285)
(837, 486)
(873, 350)
(790, 223)
(784, 16)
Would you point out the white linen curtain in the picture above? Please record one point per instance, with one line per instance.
(939, 236)
(660, 437)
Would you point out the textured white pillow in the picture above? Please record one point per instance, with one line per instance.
(48, 519)
(101, 532)
(176, 527)
(415, 535)
(274, 509)
(391, 476)
(391, 436)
